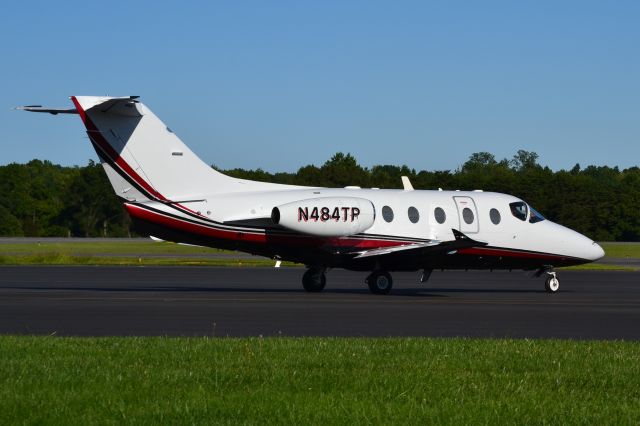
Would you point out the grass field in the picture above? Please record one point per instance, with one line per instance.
(622, 250)
(125, 252)
(147, 252)
(94, 246)
(317, 381)
(54, 258)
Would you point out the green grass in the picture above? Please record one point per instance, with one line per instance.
(142, 260)
(599, 267)
(125, 252)
(147, 252)
(622, 250)
(317, 381)
(96, 247)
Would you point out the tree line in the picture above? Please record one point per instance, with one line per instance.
(43, 199)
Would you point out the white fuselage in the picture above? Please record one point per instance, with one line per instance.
(174, 195)
(509, 232)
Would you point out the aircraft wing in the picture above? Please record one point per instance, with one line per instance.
(387, 250)
(434, 246)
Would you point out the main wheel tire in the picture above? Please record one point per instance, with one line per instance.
(314, 280)
(552, 285)
(380, 282)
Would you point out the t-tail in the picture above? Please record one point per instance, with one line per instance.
(142, 157)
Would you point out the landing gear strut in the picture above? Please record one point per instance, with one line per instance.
(552, 284)
(425, 275)
(314, 280)
(379, 282)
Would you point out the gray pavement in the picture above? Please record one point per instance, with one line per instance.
(190, 301)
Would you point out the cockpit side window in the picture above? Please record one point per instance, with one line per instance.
(519, 210)
(535, 216)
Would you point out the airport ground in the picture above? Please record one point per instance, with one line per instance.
(113, 344)
(208, 301)
(144, 251)
(62, 282)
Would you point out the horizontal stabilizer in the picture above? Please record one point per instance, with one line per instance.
(40, 108)
(123, 105)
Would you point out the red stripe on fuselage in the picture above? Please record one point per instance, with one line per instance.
(487, 251)
(141, 213)
(206, 230)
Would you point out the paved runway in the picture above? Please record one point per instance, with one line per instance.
(98, 301)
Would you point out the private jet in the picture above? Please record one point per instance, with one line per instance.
(173, 195)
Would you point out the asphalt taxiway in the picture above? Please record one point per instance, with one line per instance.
(198, 301)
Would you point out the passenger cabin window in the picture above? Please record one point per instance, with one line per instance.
(535, 217)
(413, 214)
(494, 215)
(440, 215)
(467, 215)
(387, 213)
(519, 210)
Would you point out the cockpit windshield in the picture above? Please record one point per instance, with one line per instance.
(522, 211)
(535, 216)
(519, 209)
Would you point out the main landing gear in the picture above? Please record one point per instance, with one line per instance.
(314, 280)
(379, 282)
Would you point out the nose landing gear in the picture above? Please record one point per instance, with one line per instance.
(552, 284)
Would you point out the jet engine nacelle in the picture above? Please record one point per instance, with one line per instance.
(327, 216)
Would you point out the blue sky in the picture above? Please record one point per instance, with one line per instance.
(278, 85)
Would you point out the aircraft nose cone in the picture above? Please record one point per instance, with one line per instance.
(596, 252)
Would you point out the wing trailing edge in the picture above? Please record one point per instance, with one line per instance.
(460, 241)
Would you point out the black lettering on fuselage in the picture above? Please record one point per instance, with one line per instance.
(355, 212)
(345, 213)
(336, 214)
(314, 214)
(325, 214)
(303, 214)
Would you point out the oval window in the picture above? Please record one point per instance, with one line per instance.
(387, 213)
(413, 214)
(467, 215)
(440, 215)
(494, 215)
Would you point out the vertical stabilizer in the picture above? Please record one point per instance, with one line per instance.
(144, 158)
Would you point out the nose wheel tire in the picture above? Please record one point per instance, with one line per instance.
(379, 282)
(552, 284)
(314, 280)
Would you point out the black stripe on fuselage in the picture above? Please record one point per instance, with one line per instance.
(287, 233)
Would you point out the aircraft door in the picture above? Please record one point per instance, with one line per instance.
(468, 215)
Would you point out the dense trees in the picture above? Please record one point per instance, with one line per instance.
(43, 199)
